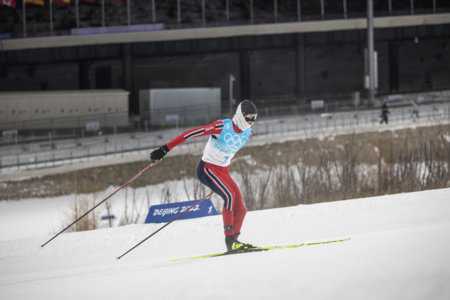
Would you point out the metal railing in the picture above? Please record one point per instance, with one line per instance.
(276, 121)
(49, 131)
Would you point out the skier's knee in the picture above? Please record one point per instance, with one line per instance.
(242, 210)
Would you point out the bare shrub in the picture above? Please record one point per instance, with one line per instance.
(147, 198)
(409, 162)
(194, 191)
(166, 194)
(415, 163)
(80, 207)
(109, 212)
(262, 190)
(315, 175)
(254, 187)
(436, 164)
(286, 191)
(131, 210)
(306, 181)
(347, 173)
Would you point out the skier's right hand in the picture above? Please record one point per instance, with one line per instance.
(159, 153)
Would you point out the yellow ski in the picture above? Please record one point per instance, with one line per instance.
(264, 248)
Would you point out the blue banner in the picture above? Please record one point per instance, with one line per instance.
(163, 213)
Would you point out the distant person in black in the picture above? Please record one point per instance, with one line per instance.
(384, 113)
(415, 110)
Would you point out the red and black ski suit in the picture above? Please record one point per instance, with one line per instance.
(218, 178)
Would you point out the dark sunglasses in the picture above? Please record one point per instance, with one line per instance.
(250, 118)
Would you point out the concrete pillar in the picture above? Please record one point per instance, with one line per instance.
(371, 52)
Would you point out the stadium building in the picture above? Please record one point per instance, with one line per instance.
(270, 51)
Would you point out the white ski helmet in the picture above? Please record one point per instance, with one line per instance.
(245, 115)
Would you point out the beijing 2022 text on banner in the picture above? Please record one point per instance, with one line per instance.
(163, 213)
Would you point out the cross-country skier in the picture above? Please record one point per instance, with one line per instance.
(226, 138)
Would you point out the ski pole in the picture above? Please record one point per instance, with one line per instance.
(158, 230)
(145, 169)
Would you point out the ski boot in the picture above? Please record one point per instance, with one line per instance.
(233, 245)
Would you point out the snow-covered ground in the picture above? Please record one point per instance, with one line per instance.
(41, 216)
(398, 250)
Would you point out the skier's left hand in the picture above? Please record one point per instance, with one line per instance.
(159, 153)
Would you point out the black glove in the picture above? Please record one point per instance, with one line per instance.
(159, 153)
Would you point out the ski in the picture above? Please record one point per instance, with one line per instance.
(263, 248)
